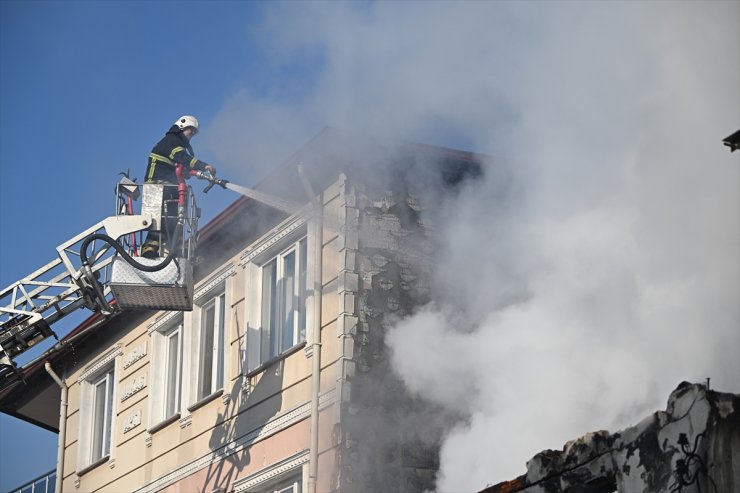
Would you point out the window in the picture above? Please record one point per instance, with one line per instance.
(102, 415)
(189, 356)
(166, 393)
(173, 361)
(283, 311)
(173, 371)
(211, 346)
(277, 316)
(97, 402)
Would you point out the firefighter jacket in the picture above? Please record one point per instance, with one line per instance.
(172, 149)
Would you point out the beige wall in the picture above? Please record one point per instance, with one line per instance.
(261, 419)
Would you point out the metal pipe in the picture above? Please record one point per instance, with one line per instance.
(62, 426)
(317, 220)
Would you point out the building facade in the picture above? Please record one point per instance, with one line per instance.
(278, 380)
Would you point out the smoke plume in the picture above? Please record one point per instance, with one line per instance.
(596, 264)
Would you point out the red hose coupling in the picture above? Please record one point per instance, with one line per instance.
(182, 189)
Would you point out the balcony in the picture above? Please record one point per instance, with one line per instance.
(42, 484)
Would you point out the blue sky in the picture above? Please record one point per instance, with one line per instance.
(86, 89)
(613, 110)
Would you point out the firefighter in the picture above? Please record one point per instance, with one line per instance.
(173, 148)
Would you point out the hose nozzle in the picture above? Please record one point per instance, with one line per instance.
(215, 181)
(204, 175)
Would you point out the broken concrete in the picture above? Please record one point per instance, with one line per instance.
(692, 446)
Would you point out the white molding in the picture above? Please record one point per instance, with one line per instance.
(267, 243)
(101, 362)
(246, 386)
(132, 421)
(220, 277)
(134, 355)
(133, 387)
(308, 350)
(271, 472)
(258, 434)
(162, 322)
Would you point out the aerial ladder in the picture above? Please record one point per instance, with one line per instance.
(100, 268)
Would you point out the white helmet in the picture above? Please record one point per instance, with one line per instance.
(186, 121)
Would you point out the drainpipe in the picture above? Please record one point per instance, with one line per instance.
(62, 427)
(313, 455)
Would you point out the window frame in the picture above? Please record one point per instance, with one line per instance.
(161, 386)
(89, 455)
(277, 242)
(172, 375)
(275, 341)
(217, 297)
(102, 432)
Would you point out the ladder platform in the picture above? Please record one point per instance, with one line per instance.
(168, 289)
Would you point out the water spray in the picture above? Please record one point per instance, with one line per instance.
(267, 199)
(271, 200)
(283, 205)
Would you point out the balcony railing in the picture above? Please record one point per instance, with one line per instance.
(42, 484)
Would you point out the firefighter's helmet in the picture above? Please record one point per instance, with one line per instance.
(186, 121)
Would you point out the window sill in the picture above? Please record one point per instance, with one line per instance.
(164, 423)
(92, 466)
(277, 358)
(205, 400)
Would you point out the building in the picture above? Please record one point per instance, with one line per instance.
(692, 446)
(278, 380)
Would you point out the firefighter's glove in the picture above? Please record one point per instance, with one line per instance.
(211, 169)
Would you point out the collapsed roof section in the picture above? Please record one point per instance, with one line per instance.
(692, 446)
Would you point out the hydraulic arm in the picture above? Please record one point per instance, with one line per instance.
(83, 274)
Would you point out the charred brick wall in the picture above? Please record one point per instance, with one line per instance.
(389, 439)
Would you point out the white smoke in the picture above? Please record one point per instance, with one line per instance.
(607, 270)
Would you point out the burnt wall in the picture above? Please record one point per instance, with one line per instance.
(390, 439)
(692, 446)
